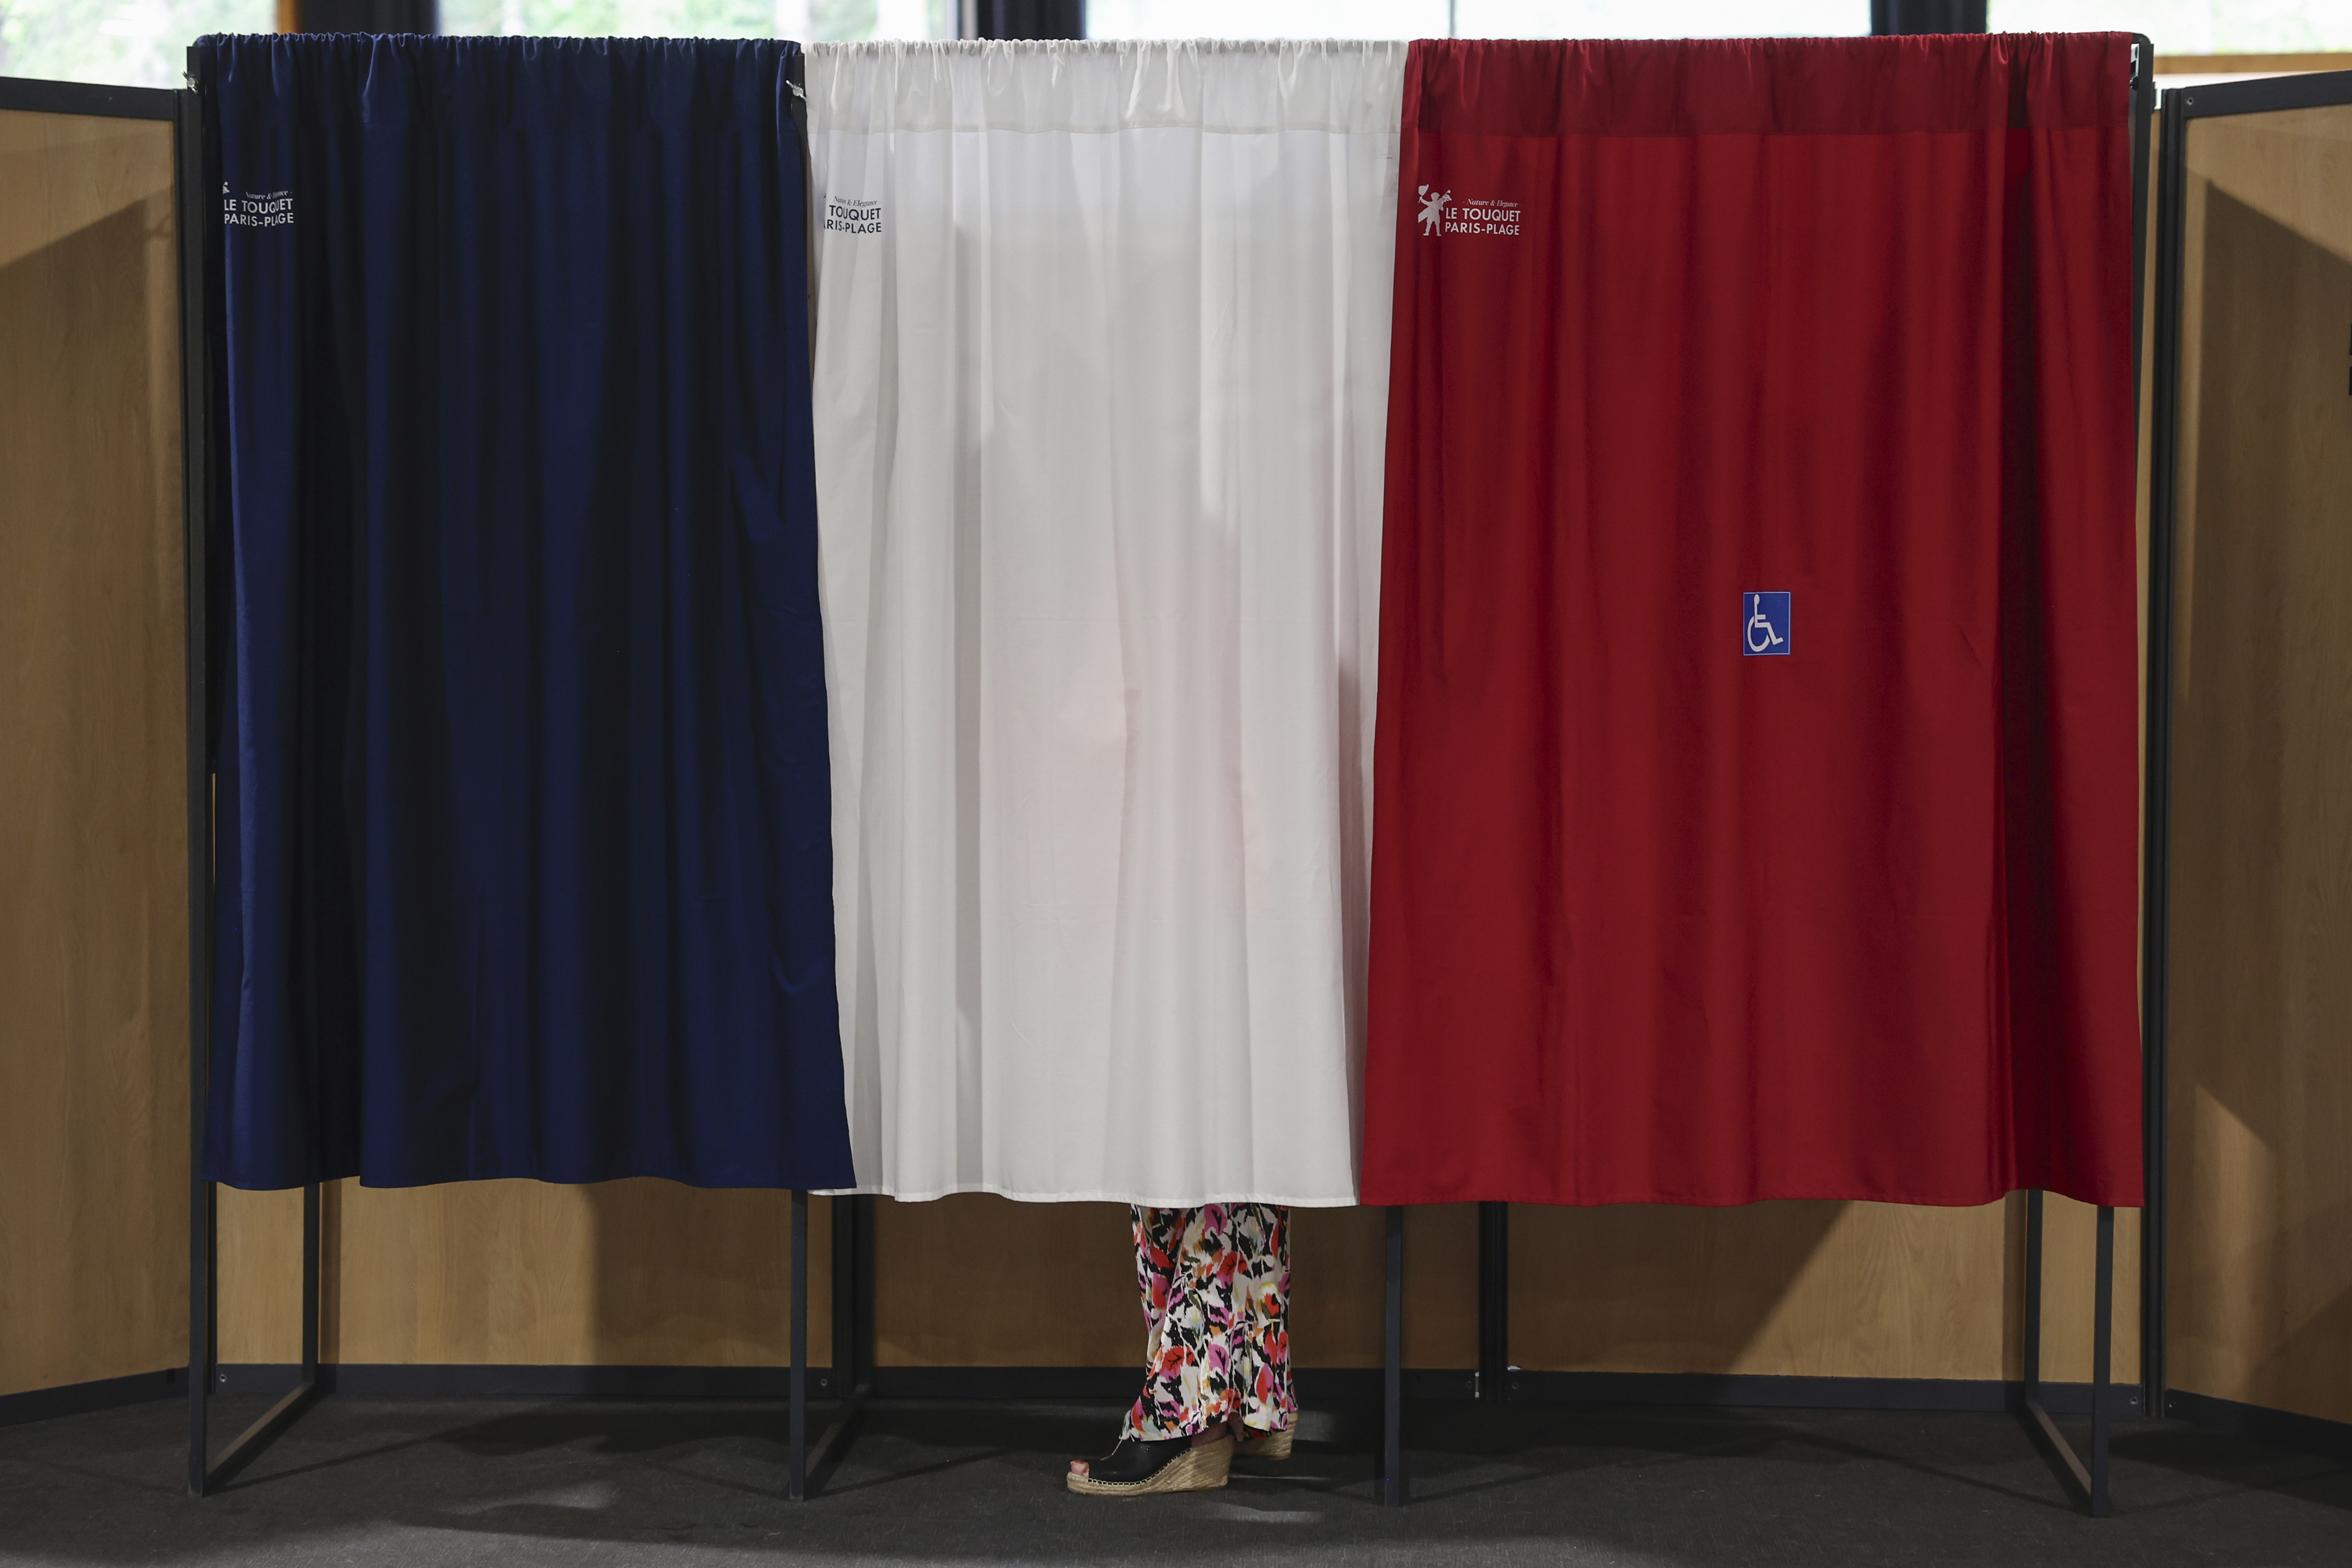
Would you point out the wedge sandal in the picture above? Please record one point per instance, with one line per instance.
(1264, 1445)
(1142, 1469)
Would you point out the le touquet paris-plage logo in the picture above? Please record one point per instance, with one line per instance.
(1441, 215)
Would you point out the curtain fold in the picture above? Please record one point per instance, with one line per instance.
(1759, 741)
(523, 818)
(1101, 358)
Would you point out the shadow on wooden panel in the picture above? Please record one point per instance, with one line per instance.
(702, 1277)
(2069, 1264)
(633, 1273)
(1647, 1288)
(1807, 1289)
(644, 1273)
(2261, 1253)
(93, 856)
(1339, 1262)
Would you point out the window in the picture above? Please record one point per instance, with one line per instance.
(2179, 28)
(144, 42)
(127, 43)
(804, 19)
(1475, 18)
(1265, 18)
(1661, 18)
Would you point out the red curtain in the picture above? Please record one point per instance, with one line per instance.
(1682, 896)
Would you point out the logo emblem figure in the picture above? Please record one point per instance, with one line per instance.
(1765, 631)
(1432, 209)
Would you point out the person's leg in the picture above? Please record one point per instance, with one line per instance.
(1188, 1256)
(1176, 1436)
(1262, 1332)
(1159, 1235)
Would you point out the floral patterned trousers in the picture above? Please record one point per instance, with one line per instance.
(1216, 1306)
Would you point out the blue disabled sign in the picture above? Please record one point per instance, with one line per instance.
(1764, 627)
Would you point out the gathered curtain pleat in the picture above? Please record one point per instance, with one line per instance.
(940, 757)
(1758, 734)
(1101, 360)
(523, 822)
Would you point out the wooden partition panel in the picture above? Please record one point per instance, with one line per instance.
(976, 1281)
(93, 841)
(624, 1274)
(2259, 1244)
(648, 1273)
(1829, 1289)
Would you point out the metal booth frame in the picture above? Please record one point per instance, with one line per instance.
(2086, 1478)
(852, 1379)
(2266, 95)
(202, 385)
(1495, 1380)
(179, 108)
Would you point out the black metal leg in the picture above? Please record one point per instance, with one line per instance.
(2088, 1483)
(868, 1237)
(311, 1227)
(2155, 812)
(195, 370)
(797, 1485)
(205, 1477)
(2033, 1296)
(203, 1298)
(851, 1375)
(198, 231)
(844, 1294)
(1392, 1476)
(2103, 1299)
(832, 1444)
(1494, 1302)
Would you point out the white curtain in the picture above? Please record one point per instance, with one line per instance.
(1101, 384)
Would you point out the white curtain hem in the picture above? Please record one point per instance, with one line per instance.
(1348, 1201)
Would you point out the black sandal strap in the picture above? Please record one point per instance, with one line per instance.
(1138, 1458)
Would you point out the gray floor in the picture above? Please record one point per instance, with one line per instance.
(365, 1481)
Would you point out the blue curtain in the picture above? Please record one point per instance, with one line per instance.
(524, 827)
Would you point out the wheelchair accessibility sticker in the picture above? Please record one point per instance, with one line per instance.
(1766, 628)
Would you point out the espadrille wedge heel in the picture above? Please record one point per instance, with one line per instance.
(1141, 1470)
(1264, 1445)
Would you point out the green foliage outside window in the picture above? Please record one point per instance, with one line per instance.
(143, 43)
(840, 19)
